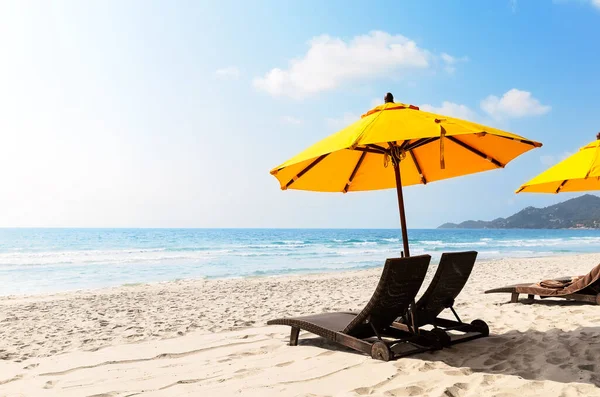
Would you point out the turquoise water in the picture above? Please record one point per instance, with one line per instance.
(51, 260)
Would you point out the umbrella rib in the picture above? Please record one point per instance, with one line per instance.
(305, 170)
(561, 186)
(376, 147)
(414, 159)
(421, 142)
(404, 144)
(367, 150)
(354, 171)
(525, 141)
(476, 151)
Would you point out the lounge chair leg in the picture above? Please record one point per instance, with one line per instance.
(455, 314)
(530, 296)
(294, 336)
(514, 297)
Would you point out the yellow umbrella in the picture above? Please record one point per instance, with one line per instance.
(367, 154)
(577, 173)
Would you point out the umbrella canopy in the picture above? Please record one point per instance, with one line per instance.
(395, 144)
(577, 173)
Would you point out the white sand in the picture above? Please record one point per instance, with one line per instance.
(208, 338)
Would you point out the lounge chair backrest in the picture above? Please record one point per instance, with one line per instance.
(399, 283)
(449, 279)
(589, 281)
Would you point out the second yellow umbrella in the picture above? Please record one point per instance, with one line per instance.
(577, 173)
(395, 144)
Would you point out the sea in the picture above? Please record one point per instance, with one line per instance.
(34, 261)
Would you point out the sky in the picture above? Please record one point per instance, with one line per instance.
(171, 114)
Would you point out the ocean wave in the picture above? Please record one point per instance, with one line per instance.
(364, 243)
(432, 242)
(436, 245)
(103, 257)
(289, 242)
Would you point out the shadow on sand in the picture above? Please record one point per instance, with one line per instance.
(555, 355)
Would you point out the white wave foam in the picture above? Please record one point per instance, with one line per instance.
(432, 242)
(104, 257)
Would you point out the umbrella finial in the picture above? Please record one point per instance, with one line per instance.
(388, 98)
(598, 136)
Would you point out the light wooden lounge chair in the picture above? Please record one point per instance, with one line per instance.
(582, 289)
(371, 330)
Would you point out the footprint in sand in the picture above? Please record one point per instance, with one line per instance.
(324, 354)
(362, 391)
(31, 366)
(586, 367)
(405, 391)
(459, 372)
(489, 379)
(554, 360)
(455, 390)
(427, 367)
(50, 384)
(16, 377)
(490, 361)
(500, 367)
(243, 373)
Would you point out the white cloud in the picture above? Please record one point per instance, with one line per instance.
(331, 62)
(344, 121)
(593, 3)
(451, 109)
(513, 104)
(230, 72)
(451, 61)
(291, 120)
(549, 160)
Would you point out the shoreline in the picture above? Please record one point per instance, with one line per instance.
(434, 261)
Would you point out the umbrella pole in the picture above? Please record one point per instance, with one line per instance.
(406, 253)
(401, 208)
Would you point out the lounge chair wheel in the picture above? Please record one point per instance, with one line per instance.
(380, 351)
(481, 327)
(442, 336)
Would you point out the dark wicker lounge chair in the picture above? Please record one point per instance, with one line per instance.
(582, 289)
(370, 331)
(450, 278)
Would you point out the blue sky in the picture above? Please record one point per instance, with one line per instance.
(170, 114)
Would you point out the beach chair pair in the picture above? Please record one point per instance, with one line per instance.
(581, 289)
(391, 326)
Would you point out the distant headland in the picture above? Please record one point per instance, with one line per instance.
(579, 213)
